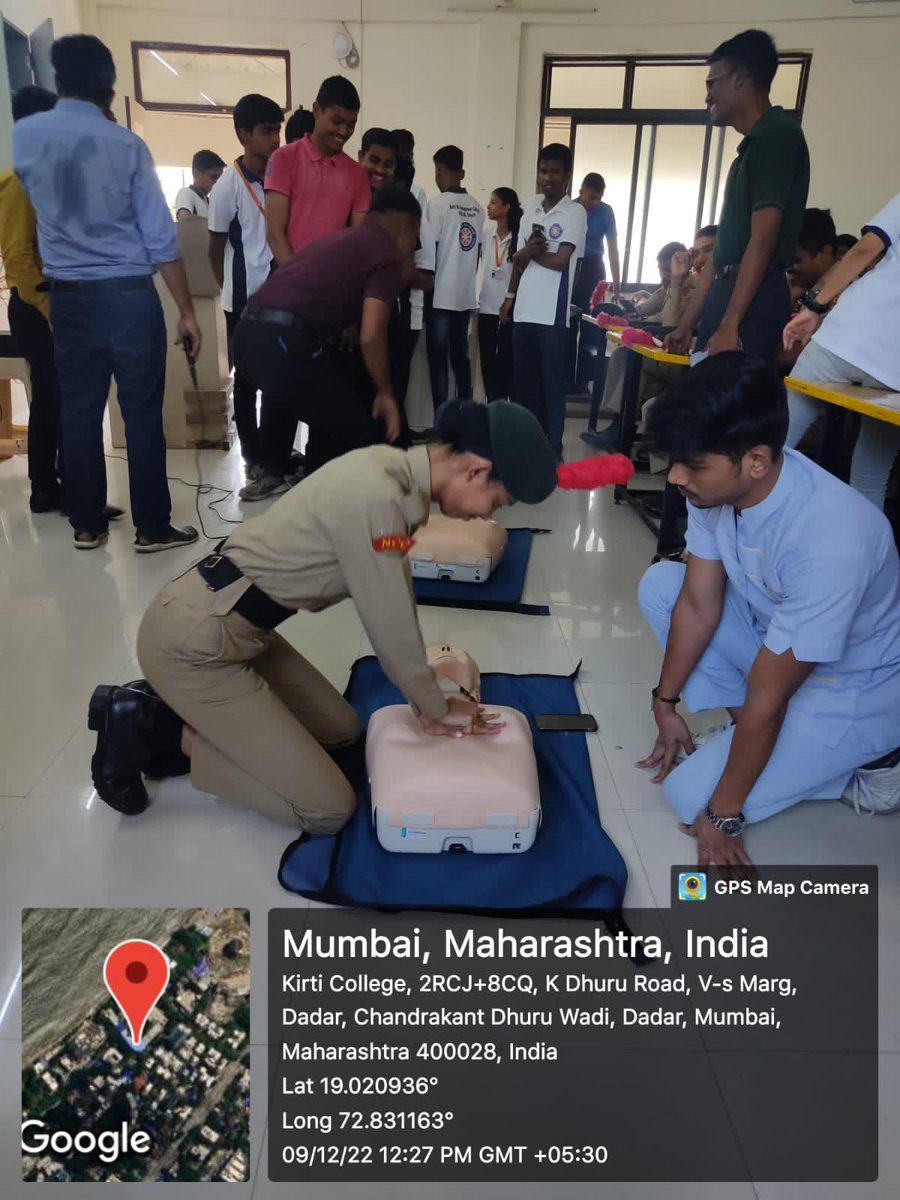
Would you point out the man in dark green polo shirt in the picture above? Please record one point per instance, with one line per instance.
(742, 299)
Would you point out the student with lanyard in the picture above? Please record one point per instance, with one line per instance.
(239, 252)
(193, 201)
(232, 701)
(494, 336)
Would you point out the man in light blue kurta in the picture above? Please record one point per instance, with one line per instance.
(787, 613)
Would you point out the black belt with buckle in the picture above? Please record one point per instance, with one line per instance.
(218, 572)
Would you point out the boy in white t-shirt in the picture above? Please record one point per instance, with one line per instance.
(456, 222)
(193, 201)
(540, 291)
(239, 250)
(858, 343)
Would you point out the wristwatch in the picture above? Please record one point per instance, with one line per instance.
(732, 826)
(808, 300)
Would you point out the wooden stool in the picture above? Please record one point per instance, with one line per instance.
(13, 438)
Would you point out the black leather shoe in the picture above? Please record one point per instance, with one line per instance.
(162, 730)
(122, 754)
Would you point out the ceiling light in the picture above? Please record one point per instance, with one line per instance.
(209, 100)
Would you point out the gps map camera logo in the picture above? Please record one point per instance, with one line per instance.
(692, 885)
(467, 236)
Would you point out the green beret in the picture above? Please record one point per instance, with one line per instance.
(510, 437)
(523, 459)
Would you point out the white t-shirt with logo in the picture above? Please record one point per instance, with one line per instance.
(544, 295)
(456, 221)
(237, 206)
(497, 273)
(188, 198)
(864, 326)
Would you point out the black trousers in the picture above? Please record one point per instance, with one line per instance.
(244, 401)
(303, 379)
(579, 359)
(31, 331)
(763, 322)
(495, 350)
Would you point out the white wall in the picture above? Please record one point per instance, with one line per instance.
(475, 78)
(854, 87)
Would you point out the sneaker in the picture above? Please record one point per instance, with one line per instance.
(875, 788)
(700, 739)
(252, 471)
(85, 539)
(169, 539)
(263, 487)
(295, 477)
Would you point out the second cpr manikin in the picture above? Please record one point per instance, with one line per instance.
(457, 551)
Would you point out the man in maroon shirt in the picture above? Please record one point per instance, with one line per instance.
(289, 341)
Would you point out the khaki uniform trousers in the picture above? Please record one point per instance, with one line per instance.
(262, 713)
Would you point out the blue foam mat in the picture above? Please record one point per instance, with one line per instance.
(502, 592)
(573, 868)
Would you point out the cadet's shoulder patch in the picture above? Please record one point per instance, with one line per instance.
(397, 543)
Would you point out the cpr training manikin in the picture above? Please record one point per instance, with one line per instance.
(435, 794)
(458, 551)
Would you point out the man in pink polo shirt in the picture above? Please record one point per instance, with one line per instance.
(312, 186)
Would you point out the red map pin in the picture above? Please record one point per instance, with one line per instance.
(136, 973)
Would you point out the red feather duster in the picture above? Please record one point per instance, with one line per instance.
(599, 471)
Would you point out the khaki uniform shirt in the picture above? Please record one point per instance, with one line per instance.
(314, 548)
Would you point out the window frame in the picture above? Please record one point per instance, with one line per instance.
(222, 109)
(627, 114)
(639, 118)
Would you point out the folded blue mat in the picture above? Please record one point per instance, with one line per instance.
(502, 592)
(573, 869)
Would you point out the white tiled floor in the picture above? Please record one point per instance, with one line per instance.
(68, 620)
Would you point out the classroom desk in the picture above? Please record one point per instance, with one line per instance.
(599, 381)
(662, 523)
(844, 399)
(871, 402)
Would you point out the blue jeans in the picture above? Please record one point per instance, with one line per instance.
(539, 357)
(116, 333)
(447, 334)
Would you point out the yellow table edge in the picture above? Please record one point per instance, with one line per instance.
(823, 390)
(652, 352)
